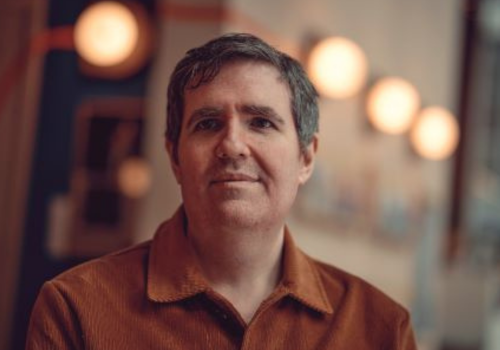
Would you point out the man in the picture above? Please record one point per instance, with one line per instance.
(224, 273)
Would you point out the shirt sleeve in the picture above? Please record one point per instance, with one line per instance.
(53, 324)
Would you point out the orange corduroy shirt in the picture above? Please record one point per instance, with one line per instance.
(153, 296)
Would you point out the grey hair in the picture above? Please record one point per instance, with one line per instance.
(202, 64)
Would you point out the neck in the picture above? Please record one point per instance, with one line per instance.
(244, 266)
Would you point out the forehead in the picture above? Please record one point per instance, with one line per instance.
(242, 82)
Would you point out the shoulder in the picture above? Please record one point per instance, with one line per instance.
(121, 268)
(349, 293)
(362, 313)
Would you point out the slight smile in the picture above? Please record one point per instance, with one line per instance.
(234, 177)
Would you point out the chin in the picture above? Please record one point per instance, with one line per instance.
(244, 215)
(239, 213)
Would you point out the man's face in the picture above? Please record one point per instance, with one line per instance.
(239, 160)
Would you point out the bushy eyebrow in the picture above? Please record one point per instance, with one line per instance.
(251, 109)
(202, 113)
(263, 111)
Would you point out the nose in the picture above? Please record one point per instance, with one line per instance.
(233, 143)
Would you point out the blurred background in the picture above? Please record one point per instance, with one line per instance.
(406, 191)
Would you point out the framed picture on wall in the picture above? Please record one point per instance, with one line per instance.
(97, 215)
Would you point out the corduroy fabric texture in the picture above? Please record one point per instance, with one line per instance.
(152, 296)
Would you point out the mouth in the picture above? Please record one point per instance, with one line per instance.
(234, 177)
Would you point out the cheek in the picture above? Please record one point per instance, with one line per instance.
(285, 170)
(193, 163)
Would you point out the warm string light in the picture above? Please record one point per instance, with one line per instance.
(106, 34)
(134, 177)
(435, 134)
(337, 67)
(392, 104)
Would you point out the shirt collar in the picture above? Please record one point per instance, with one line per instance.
(173, 272)
(301, 278)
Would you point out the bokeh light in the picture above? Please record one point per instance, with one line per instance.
(392, 104)
(106, 33)
(134, 177)
(338, 67)
(435, 134)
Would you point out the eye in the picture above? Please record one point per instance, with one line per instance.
(261, 123)
(207, 124)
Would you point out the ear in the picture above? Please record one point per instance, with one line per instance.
(174, 164)
(308, 156)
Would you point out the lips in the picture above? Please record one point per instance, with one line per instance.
(234, 177)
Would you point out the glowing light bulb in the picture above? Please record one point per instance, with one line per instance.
(337, 67)
(134, 177)
(435, 134)
(392, 104)
(106, 33)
